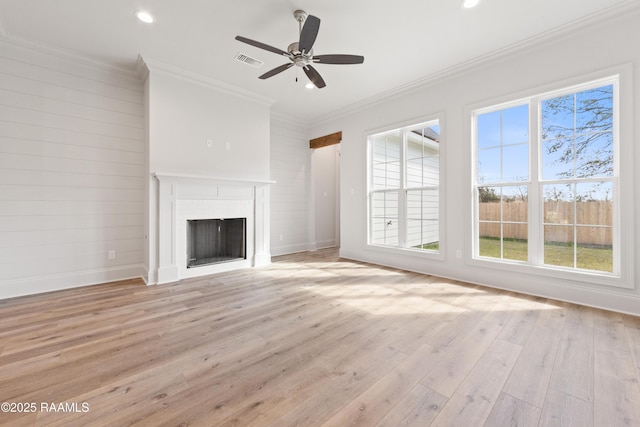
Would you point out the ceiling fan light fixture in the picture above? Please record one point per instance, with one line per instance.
(468, 4)
(309, 85)
(144, 16)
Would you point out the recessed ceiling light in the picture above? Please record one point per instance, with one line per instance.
(144, 16)
(468, 4)
(309, 85)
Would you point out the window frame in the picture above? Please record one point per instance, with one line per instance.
(622, 182)
(500, 184)
(402, 190)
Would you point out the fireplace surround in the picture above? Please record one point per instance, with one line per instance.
(184, 198)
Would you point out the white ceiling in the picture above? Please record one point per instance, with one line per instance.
(402, 42)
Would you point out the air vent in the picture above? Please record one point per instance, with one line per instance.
(255, 63)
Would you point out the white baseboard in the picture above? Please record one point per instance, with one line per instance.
(56, 282)
(289, 249)
(323, 244)
(150, 277)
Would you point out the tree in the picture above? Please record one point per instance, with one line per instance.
(487, 194)
(578, 129)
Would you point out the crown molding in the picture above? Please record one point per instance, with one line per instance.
(290, 120)
(624, 8)
(141, 69)
(153, 65)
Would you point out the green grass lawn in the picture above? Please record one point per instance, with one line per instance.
(430, 246)
(589, 258)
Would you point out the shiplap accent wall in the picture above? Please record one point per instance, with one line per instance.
(290, 168)
(72, 162)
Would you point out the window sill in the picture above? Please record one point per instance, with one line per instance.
(417, 253)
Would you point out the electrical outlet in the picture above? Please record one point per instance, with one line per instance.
(227, 146)
(209, 143)
(112, 254)
(459, 254)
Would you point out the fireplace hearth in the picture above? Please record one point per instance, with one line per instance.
(213, 241)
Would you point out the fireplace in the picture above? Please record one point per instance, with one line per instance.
(185, 198)
(212, 241)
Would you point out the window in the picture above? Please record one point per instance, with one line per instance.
(404, 187)
(503, 171)
(546, 179)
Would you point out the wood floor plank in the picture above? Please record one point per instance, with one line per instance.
(476, 396)
(616, 389)
(418, 408)
(450, 372)
(372, 405)
(563, 410)
(330, 399)
(313, 339)
(631, 321)
(531, 375)
(633, 338)
(259, 373)
(573, 367)
(510, 411)
(352, 372)
(339, 362)
(456, 330)
(520, 325)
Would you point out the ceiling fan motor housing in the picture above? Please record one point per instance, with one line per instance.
(300, 59)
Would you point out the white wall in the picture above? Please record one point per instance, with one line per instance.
(71, 172)
(305, 199)
(196, 128)
(324, 164)
(184, 115)
(290, 204)
(549, 63)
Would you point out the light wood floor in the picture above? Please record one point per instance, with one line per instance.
(315, 340)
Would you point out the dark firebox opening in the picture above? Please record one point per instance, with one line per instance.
(211, 241)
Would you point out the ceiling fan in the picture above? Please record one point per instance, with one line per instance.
(300, 53)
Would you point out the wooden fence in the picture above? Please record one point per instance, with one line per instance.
(593, 220)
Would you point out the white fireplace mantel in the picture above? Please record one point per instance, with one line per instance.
(183, 196)
(233, 181)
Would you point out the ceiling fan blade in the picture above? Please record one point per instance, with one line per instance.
(314, 76)
(309, 33)
(338, 59)
(263, 46)
(276, 70)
